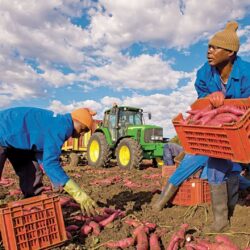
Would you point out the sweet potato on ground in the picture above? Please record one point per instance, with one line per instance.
(124, 243)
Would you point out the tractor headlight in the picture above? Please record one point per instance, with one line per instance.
(156, 138)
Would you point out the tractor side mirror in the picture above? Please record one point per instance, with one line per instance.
(149, 116)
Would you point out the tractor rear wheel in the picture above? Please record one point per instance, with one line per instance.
(128, 154)
(98, 151)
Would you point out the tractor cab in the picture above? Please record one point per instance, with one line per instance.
(118, 119)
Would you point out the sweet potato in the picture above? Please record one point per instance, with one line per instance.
(230, 109)
(109, 210)
(226, 241)
(205, 119)
(212, 113)
(149, 225)
(194, 246)
(141, 238)
(15, 192)
(85, 229)
(134, 223)
(201, 113)
(178, 238)
(64, 200)
(71, 228)
(124, 243)
(203, 243)
(96, 227)
(154, 243)
(72, 204)
(174, 243)
(79, 217)
(99, 218)
(69, 236)
(110, 219)
(193, 111)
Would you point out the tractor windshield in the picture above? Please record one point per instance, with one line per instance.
(130, 117)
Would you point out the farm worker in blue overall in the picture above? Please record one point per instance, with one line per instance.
(225, 75)
(30, 135)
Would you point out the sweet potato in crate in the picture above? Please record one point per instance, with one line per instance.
(193, 191)
(32, 223)
(230, 141)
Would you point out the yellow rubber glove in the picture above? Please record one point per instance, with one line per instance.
(86, 203)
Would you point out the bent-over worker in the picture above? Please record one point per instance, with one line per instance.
(30, 135)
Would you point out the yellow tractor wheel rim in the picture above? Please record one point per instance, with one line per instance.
(124, 155)
(159, 161)
(94, 151)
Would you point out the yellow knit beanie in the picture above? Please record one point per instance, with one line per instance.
(227, 38)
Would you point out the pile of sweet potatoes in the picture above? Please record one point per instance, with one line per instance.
(93, 224)
(144, 236)
(182, 240)
(210, 116)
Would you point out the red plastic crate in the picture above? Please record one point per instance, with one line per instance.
(166, 172)
(231, 141)
(193, 191)
(33, 223)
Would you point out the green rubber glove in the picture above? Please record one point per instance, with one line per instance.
(86, 203)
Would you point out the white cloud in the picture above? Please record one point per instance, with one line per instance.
(58, 107)
(44, 32)
(245, 47)
(142, 72)
(162, 21)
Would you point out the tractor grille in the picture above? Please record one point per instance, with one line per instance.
(152, 134)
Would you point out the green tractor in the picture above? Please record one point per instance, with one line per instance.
(123, 136)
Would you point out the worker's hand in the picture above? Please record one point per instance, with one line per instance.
(86, 203)
(216, 99)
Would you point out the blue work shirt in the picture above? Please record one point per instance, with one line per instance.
(238, 84)
(38, 130)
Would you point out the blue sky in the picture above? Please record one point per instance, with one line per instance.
(65, 54)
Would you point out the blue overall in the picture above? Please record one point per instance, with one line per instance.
(238, 86)
(40, 132)
(188, 166)
(193, 163)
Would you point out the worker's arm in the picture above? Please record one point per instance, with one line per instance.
(57, 175)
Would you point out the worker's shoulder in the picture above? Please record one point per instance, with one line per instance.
(244, 66)
(204, 71)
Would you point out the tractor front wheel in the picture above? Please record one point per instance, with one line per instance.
(129, 154)
(98, 151)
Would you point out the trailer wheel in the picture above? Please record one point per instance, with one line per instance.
(98, 151)
(129, 154)
(74, 160)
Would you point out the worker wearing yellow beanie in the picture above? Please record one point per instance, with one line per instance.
(227, 38)
(225, 75)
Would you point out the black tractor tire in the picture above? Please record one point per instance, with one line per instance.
(98, 151)
(129, 154)
(74, 160)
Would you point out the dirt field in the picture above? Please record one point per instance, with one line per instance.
(133, 192)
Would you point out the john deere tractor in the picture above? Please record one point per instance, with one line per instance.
(123, 136)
